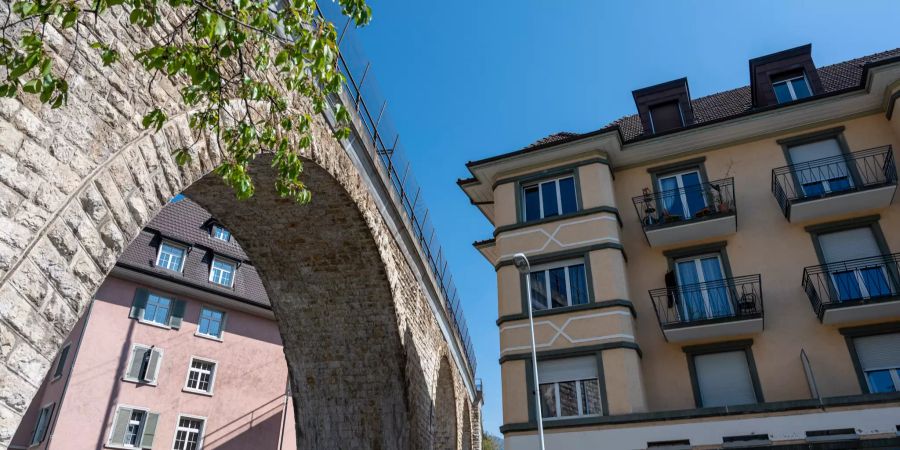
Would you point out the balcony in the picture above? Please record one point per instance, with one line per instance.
(687, 214)
(711, 310)
(836, 185)
(855, 290)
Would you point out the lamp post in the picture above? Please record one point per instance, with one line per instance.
(524, 268)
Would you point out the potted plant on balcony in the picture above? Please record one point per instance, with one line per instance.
(649, 216)
(719, 203)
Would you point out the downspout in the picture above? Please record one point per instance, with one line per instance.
(62, 397)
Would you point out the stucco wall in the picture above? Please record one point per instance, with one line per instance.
(765, 243)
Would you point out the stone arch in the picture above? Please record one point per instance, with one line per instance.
(466, 437)
(78, 183)
(445, 407)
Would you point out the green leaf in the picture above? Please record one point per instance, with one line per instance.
(33, 86)
(70, 18)
(182, 156)
(155, 118)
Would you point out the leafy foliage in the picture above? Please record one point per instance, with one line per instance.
(491, 442)
(239, 64)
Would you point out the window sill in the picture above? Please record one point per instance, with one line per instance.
(154, 324)
(197, 391)
(143, 383)
(120, 447)
(210, 337)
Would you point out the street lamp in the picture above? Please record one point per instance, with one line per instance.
(524, 268)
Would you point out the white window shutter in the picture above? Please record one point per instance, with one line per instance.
(849, 244)
(881, 351)
(724, 379)
(567, 369)
(153, 365)
(815, 150)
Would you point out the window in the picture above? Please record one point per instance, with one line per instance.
(143, 364)
(133, 428)
(188, 433)
(211, 323)
(681, 194)
(666, 116)
(879, 359)
(569, 387)
(201, 375)
(549, 198)
(222, 272)
(221, 233)
(170, 257)
(853, 265)
(819, 168)
(723, 378)
(701, 292)
(563, 284)
(61, 362)
(791, 87)
(157, 310)
(42, 424)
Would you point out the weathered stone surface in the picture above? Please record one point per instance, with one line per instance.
(79, 182)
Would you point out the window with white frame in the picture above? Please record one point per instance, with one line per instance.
(211, 323)
(42, 424)
(549, 198)
(188, 433)
(222, 272)
(201, 375)
(569, 387)
(879, 359)
(157, 309)
(143, 364)
(558, 285)
(221, 233)
(133, 428)
(170, 257)
(791, 87)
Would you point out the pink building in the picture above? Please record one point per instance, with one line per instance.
(179, 350)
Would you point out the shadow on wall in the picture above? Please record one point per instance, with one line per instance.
(445, 408)
(259, 428)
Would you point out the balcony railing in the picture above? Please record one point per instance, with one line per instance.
(691, 203)
(835, 175)
(728, 299)
(853, 282)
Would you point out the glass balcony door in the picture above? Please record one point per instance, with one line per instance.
(820, 168)
(702, 291)
(853, 264)
(681, 194)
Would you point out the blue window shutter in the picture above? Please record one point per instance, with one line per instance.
(177, 313)
(140, 302)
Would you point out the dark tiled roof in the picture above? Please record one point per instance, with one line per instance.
(187, 222)
(555, 137)
(723, 105)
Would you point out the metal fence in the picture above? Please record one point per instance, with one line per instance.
(371, 108)
(865, 169)
(852, 282)
(694, 202)
(691, 304)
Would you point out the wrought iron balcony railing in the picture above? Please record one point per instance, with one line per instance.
(728, 299)
(691, 203)
(835, 175)
(852, 282)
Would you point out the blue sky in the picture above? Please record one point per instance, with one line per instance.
(467, 80)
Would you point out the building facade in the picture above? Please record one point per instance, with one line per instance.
(707, 273)
(178, 350)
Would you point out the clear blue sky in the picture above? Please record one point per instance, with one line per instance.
(471, 79)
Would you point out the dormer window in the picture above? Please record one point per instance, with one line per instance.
(666, 116)
(220, 233)
(790, 87)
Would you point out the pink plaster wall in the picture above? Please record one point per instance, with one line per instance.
(244, 411)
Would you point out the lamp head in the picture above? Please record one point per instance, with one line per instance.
(521, 262)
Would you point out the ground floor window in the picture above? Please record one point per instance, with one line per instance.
(188, 433)
(569, 387)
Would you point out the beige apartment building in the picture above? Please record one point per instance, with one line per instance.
(718, 272)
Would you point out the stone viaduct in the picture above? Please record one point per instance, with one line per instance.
(375, 359)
